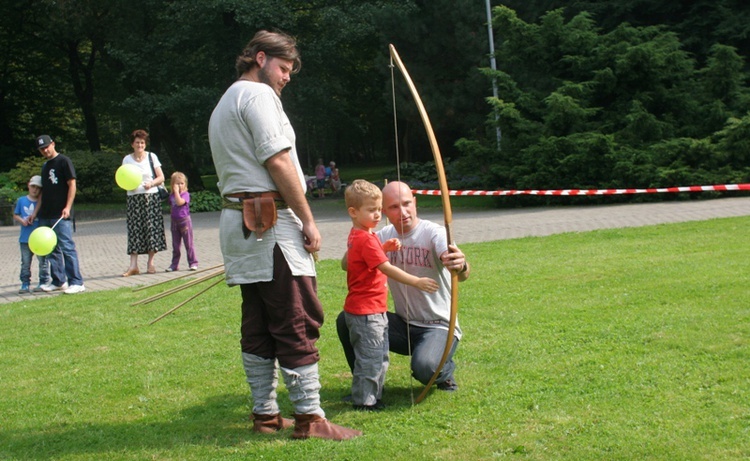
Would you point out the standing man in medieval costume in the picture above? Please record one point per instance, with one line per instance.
(261, 180)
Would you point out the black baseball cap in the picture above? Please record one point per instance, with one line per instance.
(43, 141)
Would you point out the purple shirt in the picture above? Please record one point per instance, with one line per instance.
(180, 211)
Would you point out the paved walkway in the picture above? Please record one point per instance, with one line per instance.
(101, 244)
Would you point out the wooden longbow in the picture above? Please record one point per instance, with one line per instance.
(447, 215)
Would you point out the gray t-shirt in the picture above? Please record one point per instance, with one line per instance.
(247, 127)
(420, 256)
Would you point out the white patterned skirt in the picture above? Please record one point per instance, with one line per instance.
(145, 224)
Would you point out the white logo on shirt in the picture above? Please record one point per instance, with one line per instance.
(28, 210)
(52, 176)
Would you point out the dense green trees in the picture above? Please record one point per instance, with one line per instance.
(90, 71)
(586, 108)
(598, 94)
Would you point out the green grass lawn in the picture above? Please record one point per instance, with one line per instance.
(622, 344)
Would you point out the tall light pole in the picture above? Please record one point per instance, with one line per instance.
(493, 66)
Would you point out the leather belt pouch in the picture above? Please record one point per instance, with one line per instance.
(258, 215)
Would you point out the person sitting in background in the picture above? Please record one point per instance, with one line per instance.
(320, 178)
(334, 178)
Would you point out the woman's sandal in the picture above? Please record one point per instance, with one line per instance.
(129, 272)
(151, 270)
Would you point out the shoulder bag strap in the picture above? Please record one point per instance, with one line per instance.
(151, 162)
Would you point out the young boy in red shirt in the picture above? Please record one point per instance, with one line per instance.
(368, 269)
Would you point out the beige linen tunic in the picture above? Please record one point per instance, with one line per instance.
(247, 127)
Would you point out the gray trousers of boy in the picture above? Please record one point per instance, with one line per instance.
(369, 339)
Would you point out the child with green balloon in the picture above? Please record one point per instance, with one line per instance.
(24, 208)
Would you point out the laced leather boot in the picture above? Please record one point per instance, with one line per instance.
(268, 424)
(306, 426)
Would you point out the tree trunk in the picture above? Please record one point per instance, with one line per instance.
(10, 155)
(84, 91)
(170, 142)
(405, 153)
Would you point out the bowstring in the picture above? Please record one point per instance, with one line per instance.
(401, 251)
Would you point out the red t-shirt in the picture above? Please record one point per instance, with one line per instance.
(368, 287)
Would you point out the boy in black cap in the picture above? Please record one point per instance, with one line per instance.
(59, 191)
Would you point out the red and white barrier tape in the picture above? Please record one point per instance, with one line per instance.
(654, 190)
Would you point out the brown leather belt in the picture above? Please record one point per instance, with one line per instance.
(273, 194)
(280, 203)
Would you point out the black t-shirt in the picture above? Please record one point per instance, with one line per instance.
(56, 173)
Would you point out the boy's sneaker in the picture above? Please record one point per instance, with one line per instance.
(75, 289)
(379, 406)
(194, 268)
(50, 287)
(448, 385)
(24, 289)
(39, 288)
(169, 269)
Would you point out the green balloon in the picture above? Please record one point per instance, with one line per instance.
(129, 176)
(42, 241)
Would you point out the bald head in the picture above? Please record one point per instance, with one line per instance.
(400, 206)
(397, 190)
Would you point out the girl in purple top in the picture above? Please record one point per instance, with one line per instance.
(182, 225)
